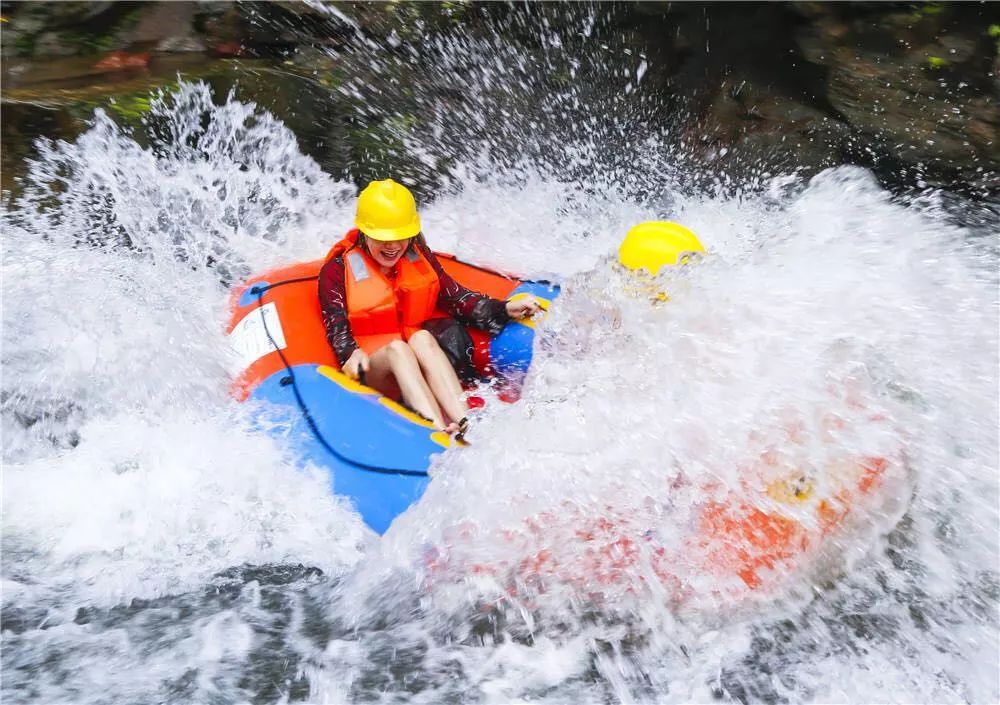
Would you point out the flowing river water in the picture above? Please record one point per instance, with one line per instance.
(158, 547)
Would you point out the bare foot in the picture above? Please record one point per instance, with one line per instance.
(451, 428)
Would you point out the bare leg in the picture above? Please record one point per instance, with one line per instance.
(396, 360)
(440, 375)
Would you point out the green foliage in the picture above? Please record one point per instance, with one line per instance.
(936, 62)
(413, 15)
(25, 44)
(131, 108)
(82, 40)
(126, 109)
(929, 9)
(400, 124)
(454, 10)
(89, 43)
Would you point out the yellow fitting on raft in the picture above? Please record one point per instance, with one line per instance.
(343, 380)
(446, 441)
(791, 490)
(351, 385)
(405, 413)
(542, 303)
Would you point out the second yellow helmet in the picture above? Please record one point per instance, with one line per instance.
(656, 244)
(387, 211)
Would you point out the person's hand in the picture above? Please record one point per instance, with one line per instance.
(357, 361)
(523, 307)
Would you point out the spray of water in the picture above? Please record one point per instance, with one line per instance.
(156, 546)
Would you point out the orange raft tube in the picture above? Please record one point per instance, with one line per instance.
(711, 545)
(377, 451)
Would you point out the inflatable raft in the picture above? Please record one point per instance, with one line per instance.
(376, 450)
(695, 544)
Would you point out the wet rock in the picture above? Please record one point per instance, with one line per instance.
(119, 60)
(918, 91)
(261, 29)
(226, 50)
(908, 89)
(63, 28)
(758, 129)
(181, 44)
(54, 44)
(767, 86)
(59, 14)
(221, 27)
(57, 98)
(165, 27)
(956, 49)
(754, 104)
(923, 120)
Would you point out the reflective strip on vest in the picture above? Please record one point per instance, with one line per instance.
(358, 267)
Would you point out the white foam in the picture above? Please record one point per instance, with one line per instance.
(129, 474)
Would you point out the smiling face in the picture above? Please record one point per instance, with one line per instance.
(387, 254)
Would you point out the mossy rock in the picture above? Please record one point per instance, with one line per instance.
(67, 28)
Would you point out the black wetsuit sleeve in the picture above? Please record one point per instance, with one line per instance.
(333, 303)
(465, 305)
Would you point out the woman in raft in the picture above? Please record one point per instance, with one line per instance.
(381, 290)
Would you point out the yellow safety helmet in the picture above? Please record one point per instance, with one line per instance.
(387, 212)
(658, 243)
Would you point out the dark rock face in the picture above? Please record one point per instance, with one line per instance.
(62, 28)
(750, 89)
(913, 80)
(910, 90)
(166, 27)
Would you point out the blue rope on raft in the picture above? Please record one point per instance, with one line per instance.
(259, 292)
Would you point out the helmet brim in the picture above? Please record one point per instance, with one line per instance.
(404, 232)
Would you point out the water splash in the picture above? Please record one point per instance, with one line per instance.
(811, 306)
(129, 475)
(137, 495)
(214, 176)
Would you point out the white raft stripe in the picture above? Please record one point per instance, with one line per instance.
(249, 338)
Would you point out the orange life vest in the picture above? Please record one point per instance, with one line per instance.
(381, 309)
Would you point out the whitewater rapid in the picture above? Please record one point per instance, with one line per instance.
(157, 546)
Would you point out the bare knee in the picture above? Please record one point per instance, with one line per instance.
(422, 343)
(399, 350)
